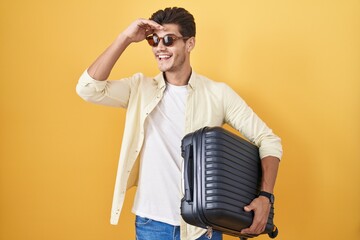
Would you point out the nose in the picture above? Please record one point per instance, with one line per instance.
(161, 45)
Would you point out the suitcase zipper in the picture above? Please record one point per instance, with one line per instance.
(209, 232)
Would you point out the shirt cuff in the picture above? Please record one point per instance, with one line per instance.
(86, 80)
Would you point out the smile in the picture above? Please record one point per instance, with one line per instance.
(163, 56)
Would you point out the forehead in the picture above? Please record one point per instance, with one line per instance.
(169, 29)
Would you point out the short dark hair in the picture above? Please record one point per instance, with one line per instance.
(179, 16)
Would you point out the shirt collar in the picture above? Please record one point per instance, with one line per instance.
(160, 80)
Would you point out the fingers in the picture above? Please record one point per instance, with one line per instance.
(249, 208)
(149, 26)
(140, 28)
(256, 228)
(261, 213)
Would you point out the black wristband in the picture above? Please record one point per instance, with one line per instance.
(270, 196)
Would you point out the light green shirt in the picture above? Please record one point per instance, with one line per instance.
(209, 103)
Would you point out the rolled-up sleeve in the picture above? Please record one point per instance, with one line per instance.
(114, 93)
(244, 119)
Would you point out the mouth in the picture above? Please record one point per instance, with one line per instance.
(163, 56)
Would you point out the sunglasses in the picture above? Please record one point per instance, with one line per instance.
(168, 40)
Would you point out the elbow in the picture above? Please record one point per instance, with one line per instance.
(271, 146)
(85, 92)
(89, 89)
(80, 91)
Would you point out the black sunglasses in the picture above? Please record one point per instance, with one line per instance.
(168, 40)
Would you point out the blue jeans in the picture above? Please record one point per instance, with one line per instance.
(148, 229)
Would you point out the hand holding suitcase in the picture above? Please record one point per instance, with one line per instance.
(222, 174)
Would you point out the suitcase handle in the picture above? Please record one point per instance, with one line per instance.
(188, 172)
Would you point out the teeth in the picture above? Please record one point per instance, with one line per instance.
(164, 56)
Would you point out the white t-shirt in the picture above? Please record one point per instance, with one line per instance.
(158, 194)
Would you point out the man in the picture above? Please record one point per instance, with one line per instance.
(160, 111)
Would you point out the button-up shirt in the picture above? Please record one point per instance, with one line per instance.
(209, 103)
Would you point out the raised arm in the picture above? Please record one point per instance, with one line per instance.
(136, 32)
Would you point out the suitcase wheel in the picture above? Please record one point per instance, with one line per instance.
(274, 233)
(243, 238)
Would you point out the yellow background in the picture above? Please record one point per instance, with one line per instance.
(297, 63)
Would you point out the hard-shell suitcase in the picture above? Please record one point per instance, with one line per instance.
(222, 174)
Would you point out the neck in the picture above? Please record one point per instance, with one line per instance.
(178, 78)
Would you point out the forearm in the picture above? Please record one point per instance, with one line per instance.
(270, 166)
(101, 68)
(261, 205)
(136, 32)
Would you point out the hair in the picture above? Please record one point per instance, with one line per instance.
(178, 16)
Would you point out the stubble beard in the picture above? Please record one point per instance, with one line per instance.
(175, 65)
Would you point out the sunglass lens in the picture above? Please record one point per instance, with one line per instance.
(168, 40)
(152, 40)
(156, 40)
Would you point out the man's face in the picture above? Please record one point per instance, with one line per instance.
(171, 58)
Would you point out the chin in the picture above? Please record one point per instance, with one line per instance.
(163, 68)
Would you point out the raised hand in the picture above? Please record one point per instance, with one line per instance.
(140, 28)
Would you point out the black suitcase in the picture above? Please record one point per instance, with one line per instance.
(222, 174)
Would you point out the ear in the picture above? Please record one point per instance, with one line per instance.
(190, 44)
